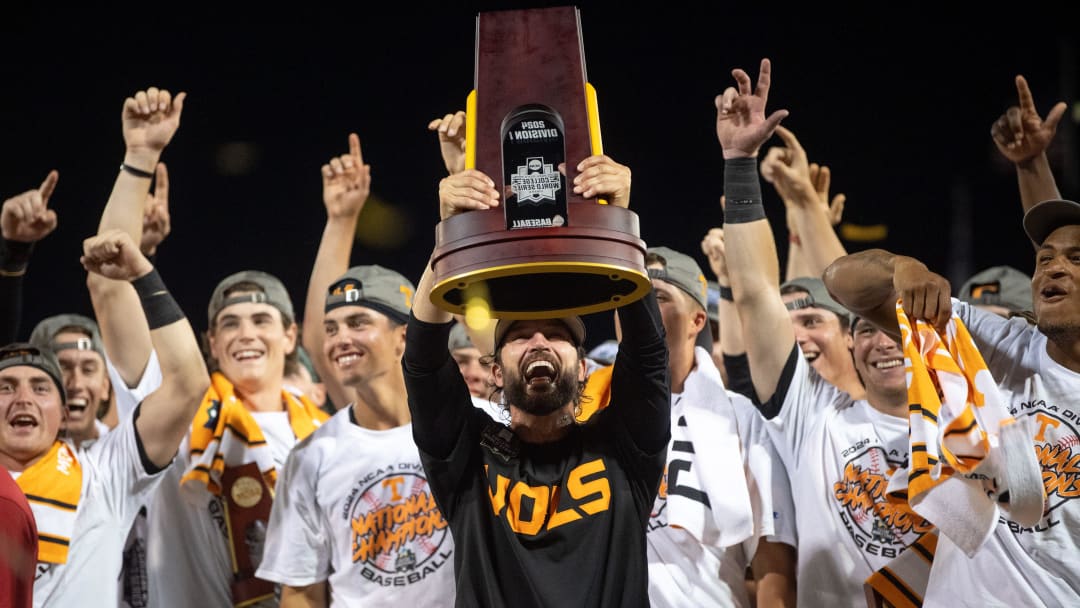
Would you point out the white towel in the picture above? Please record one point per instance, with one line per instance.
(967, 453)
(717, 463)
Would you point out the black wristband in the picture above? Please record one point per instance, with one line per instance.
(14, 257)
(743, 191)
(157, 303)
(725, 293)
(137, 172)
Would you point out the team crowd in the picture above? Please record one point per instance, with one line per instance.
(852, 431)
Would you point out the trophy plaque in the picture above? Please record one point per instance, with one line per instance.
(545, 251)
(247, 499)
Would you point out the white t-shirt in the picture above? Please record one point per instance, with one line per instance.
(115, 485)
(353, 508)
(840, 454)
(187, 550)
(685, 572)
(1023, 566)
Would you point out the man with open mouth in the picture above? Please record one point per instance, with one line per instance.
(545, 511)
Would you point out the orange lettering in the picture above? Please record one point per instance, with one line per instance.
(581, 489)
(539, 495)
(558, 517)
(394, 483)
(1044, 421)
(498, 497)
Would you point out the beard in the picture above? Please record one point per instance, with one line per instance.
(564, 390)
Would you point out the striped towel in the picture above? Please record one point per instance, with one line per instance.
(225, 434)
(968, 455)
(902, 582)
(53, 486)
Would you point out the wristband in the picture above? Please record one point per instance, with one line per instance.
(725, 293)
(157, 303)
(137, 172)
(743, 191)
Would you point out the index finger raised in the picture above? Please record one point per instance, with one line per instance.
(49, 185)
(1024, 94)
(354, 148)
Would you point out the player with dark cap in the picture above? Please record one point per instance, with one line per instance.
(85, 499)
(326, 543)
(544, 512)
(1037, 369)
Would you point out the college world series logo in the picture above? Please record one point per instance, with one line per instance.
(535, 181)
(878, 527)
(397, 534)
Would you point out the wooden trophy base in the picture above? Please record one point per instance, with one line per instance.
(540, 273)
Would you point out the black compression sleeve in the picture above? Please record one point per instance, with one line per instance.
(742, 189)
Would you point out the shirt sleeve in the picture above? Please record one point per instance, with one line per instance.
(439, 399)
(119, 459)
(127, 397)
(14, 258)
(799, 401)
(640, 382)
(298, 546)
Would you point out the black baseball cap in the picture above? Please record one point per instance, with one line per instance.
(18, 354)
(1048, 216)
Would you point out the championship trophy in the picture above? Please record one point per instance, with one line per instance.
(545, 251)
(247, 499)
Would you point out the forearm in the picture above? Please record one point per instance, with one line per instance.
(774, 571)
(818, 244)
(14, 260)
(1036, 181)
(123, 325)
(422, 307)
(331, 261)
(124, 209)
(168, 411)
(310, 596)
(753, 269)
(863, 282)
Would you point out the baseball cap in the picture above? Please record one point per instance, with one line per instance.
(681, 271)
(817, 296)
(373, 287)
(1048, 216)
(574, 324)
(273, 293)
(998, 286)
(459, 338)
(22, 353)
(45, 332)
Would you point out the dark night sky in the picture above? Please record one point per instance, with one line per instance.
(899, 107)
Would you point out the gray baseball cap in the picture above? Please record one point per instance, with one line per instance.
(45, 332)
(1048, 216)
(373, 287)
(681, 271)
(459, 338)
(32, 355)
(998, 286)
(272, 292)
(817, 296)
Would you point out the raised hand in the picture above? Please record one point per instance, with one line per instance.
(741, 124)
(1020, 134)
(600, 176)
(713, 248)
(150, 119)
(788, 170)
(114, 255)
(157, 224)
(466, 191)
(821, 177)
(926, 295)
(346, 182)
(451, 130)
(26, 217)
